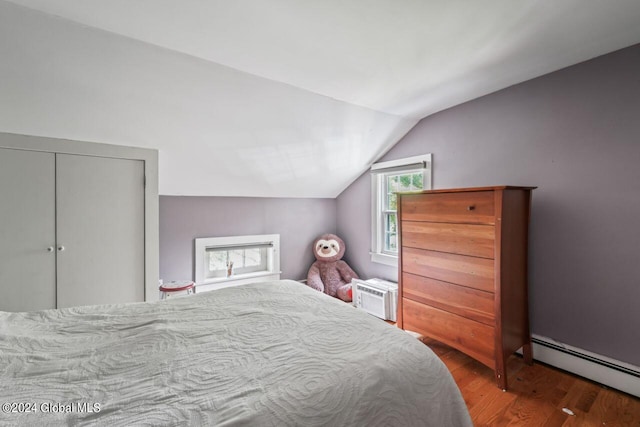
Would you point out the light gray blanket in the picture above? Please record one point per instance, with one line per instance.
(267, 354)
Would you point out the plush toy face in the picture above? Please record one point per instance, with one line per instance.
(328, 247)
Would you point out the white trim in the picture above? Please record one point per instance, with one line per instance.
(263, 277)
(382, 258)
(598, 368)
(201, 244)
(378, 171)
(426, 158)
(238, 277)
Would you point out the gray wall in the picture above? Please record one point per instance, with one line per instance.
(575, 134)
(298, 221)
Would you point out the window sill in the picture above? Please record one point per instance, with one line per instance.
(236, 277)
(244, 279)
(385, 259)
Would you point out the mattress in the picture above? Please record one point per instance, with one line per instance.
(263, 354)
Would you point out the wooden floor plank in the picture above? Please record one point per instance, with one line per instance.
(537, 395)
(615, 409)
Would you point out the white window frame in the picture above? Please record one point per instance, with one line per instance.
(273, 263)
(379, 171)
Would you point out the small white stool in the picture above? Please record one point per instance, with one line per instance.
(176, 288)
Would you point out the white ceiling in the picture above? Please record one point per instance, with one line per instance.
(286, 97)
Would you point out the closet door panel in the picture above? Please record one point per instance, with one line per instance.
(27, 230)
(100, 226)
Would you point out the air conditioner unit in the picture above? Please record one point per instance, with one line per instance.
(376, 296)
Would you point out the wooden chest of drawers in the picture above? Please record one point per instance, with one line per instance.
(463, 270)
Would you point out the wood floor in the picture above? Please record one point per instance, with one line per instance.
(537, 395)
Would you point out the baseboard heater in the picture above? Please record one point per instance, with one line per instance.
(604, 370)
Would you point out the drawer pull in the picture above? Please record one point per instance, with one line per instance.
(471, 208)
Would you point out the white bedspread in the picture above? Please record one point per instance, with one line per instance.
(267, 354)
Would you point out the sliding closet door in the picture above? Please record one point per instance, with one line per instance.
(27, 230)
(100, 226)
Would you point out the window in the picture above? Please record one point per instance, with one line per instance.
(226, 262)
(224, 259)
(387, 179)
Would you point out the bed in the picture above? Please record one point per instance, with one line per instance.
(262, 354)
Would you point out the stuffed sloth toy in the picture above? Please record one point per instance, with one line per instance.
(329, 274)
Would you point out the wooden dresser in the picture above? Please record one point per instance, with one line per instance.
(463, 270)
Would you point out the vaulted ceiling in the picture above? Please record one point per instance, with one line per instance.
(278, 98)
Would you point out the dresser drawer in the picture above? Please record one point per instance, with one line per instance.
(466, 302)
(476, 207)
(465, 239)
(473, 272)
(471, 337)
